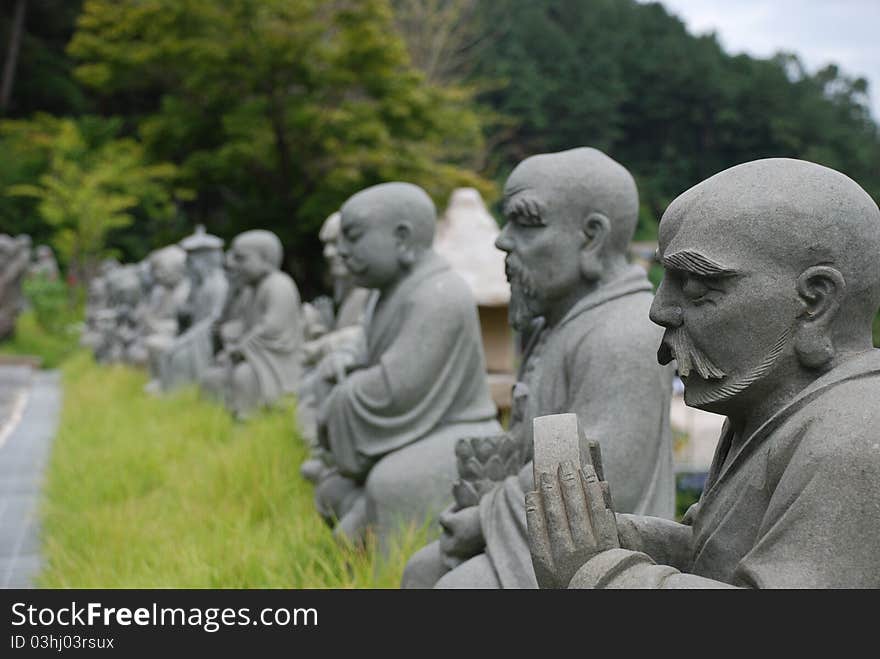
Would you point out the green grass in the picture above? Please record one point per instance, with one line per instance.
(171, 492)
(32, 340)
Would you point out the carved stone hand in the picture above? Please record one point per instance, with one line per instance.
(570, 520)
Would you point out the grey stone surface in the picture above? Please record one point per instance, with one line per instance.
(570, 218)
(15, 256)
(772, 281)
(25, 442)
(390, 419)
(157, 316)
(337, 328)
(261, 362)
(188, 358)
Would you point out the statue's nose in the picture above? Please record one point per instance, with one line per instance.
(664, 311)
(503, 241)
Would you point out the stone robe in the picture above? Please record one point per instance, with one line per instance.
(272, 335)
(797, 505)
(600, 362)
(424, 387)
(13, 268)
(192, 353)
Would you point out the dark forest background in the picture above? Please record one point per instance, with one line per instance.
(125, 123)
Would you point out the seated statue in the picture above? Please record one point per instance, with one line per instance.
(420, 385)
(570, 219)
(118, 319)
(260, 360)
(772, 280)
(192, 352)
(96, 305)
(158, 319)
(334, 330)
(15, 256)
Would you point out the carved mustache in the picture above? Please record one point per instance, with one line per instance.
(519, 276)
(677, 345)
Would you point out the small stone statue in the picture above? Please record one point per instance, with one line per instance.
(15, 254)
(96, 304)
(570, 218)
(262, 362)
(391, 423)
(123, 295)
(334, 331)
(772, 280)
(158, 321)
(192, 353)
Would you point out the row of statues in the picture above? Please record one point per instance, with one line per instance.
(230, 322)
(19, 261)
(772, 280)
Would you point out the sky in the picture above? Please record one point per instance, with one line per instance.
(845, 32)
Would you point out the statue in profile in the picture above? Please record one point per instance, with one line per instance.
(772, 280)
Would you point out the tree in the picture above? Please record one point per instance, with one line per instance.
(87, 190)
(276, 110)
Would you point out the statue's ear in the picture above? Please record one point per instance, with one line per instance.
(403, 235)
(595, 229)
(821, 288)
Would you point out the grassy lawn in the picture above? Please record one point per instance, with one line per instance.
(171, 492)
(31, 339)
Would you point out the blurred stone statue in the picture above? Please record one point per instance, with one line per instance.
(44, 264)
(96, 304)
(15, 256)
(333, 332)
(192, 352)
(391, 416)
(772, 281)
(158, 320)
(261, 363)
(123, 295)
(570, 218)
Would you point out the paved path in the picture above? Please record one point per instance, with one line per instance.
(30, 403)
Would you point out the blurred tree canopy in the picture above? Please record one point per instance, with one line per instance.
(272, 112)
(628, 78)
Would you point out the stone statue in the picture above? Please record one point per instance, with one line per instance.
(15, 255)
(772, 280)
(334, 331)
(158, 322)
(570, 218)
(118, 319)
(44, 264)
(391, 424)
(187, 359)
(261, 361)
(96, 304)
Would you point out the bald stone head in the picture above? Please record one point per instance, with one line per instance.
(772, 277)
(255, 254)
(385, 230)
(570, 218)
(329, 235)
(168, 265)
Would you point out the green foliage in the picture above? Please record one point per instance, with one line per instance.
(187, 497)
(627, 78)
(277, 110)
(87, 190)
(31, 339)
(56, 307)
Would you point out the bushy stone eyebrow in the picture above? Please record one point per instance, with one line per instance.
(688, 260)
(523, 206)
